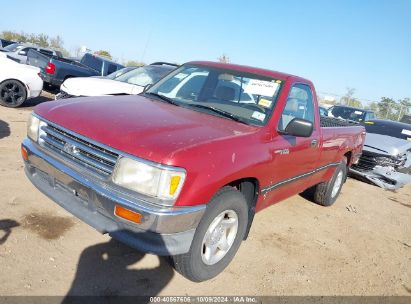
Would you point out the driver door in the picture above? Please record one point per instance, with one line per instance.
(294, 158)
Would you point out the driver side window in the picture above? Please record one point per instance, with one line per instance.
(26, 50)
(299, 105)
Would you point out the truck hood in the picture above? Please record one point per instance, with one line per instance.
(90, 86)
(140, 126)
(388, 145)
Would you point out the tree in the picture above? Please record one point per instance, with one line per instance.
(42, 40)
(224, 59)
(373, 106)
(13, 36)
(103, 53)
(349, 100)
(386, 108)
(56, 42)
(134, 63)
(404, 107)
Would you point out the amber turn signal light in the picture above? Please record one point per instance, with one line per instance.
(24, 154)
(129, 215)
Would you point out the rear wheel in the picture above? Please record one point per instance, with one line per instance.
(217, 237)
(326, 194)
(12, 93)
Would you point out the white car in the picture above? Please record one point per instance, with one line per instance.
(18, 82)
(129, 83)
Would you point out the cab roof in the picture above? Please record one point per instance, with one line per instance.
(248, 69)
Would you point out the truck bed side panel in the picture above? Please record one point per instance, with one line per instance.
(336, 142)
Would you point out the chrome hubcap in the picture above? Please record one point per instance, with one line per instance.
(219, 237)
(337, 184)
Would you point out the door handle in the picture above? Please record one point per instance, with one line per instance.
(314, 143)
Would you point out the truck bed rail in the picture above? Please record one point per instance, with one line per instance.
(327, 122)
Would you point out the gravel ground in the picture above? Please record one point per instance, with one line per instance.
(359, 246)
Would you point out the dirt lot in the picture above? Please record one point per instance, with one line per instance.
(359, 246)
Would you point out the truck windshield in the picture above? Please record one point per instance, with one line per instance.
(120, 72)
(246, 97)
(348, 113)
(13, 47)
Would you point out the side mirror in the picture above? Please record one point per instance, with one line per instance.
(299, 127)
(147, 86)
(22, 53)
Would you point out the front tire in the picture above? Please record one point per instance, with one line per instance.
(12, 93)
(325, 194)
(217, 237)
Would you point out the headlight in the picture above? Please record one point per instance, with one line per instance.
(33, 127)
(163, 183)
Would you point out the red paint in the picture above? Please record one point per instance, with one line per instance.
(214, 151)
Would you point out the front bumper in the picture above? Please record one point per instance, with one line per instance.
(34, 93)
(163, 231)
(384, 177)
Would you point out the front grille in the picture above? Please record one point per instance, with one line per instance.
(366, 163)
(83, 152)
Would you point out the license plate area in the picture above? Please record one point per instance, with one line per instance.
(79, 192)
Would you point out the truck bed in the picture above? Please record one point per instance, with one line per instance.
(327, 122)
(63, 67)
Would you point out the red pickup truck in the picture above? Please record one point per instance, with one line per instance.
(181, 169)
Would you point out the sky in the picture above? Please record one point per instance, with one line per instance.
(361, 44)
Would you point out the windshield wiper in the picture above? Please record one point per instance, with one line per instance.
(164, 98)
(218, 111)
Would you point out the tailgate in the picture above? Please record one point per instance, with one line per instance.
(37, 59)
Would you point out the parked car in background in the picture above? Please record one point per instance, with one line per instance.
(406, 119)
(4, 43)
(323, 111)
(18, 82)
(55, 70)
(118, 72)
(181, 172)
(19, 51)
(129, 83)
(386, 157)
(351, 113)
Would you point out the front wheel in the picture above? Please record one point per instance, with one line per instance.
(217, 237)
